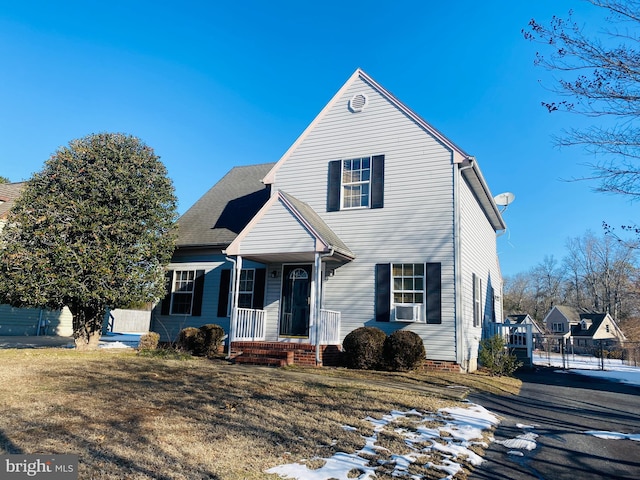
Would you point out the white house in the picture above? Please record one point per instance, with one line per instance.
(371, 218)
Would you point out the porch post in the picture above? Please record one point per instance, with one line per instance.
(317, 305)
(237, 268)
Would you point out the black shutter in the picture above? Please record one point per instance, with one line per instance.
(258, 288)
(198, 290)
(377, 181)
(383, 292)
(333, 186)
(223, 296)
(166, 301)
(434, 293)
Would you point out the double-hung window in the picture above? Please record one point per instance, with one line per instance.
(356, 176)
(356, 183)
(245, 292)
(408, 291)
(184, 293)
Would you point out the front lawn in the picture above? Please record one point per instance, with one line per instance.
(136, 417)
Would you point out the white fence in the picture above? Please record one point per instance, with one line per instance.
(128, 321)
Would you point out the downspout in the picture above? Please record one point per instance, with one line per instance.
(460, 341)
(318, 266)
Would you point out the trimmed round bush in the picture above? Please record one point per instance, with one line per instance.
(188, 340)
(403, 351)
(149, 341)
(363, 348)
(211, 339)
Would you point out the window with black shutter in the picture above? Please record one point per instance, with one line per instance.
(355, 183)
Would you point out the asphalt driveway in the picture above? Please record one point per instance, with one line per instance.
(551, 415)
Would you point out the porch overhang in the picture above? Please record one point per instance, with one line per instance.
(287, 230)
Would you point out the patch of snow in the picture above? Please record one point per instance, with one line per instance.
(614, 435)
(460, 424)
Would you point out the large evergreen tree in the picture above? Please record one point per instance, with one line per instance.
(92, 230)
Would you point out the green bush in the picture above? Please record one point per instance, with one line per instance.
(188, 340)
(149, 341)
(403, 351)
(363, 348)
(211, 339)
(496, 358)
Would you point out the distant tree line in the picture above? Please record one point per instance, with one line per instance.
(598, 273)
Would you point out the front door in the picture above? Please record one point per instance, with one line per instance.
(296, 300)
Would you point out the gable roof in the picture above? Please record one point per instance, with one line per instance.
(316, 225)
(9, 193)
(325, 240)
(220, 214)
(472, 175)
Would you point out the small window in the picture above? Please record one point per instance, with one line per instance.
(182, 292)
(245, 292)
(606, 327)
(477, 300)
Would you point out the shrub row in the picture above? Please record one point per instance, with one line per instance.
(369, 348)
(203, 342)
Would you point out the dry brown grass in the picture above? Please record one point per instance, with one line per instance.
(150, 418)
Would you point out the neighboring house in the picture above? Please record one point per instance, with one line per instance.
(9, 192)
(525, 319)
(28, 321)
(371, 218)
(582, 330)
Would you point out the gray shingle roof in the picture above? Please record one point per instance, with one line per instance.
(9, 192)
(221, 213)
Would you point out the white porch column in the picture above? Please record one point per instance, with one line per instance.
(317, 303)
(237, 268)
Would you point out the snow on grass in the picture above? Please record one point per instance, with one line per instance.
(588, 365)
(448, 444)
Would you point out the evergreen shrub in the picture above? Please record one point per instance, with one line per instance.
(363, 348)
(403, 351)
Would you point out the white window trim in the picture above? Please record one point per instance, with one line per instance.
(174, 291)
(421, 310)
(367, 182)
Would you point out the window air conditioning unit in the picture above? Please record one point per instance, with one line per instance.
(408, 313)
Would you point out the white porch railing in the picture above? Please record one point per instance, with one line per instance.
(329, 331)
(516, 335)
(249, 325)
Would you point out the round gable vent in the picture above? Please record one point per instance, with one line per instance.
(358, 102)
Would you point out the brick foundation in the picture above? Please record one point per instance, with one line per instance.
(303, 354)
(441, 366)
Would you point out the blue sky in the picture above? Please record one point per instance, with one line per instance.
(211, 85)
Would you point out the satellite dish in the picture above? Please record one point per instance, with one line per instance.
(504, 200)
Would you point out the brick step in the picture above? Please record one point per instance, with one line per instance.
(267, 361)
(263, 356)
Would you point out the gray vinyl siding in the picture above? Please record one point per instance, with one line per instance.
(278, 231)
(479, 257)
(415, 225)
(168, 326)
(24, 321)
